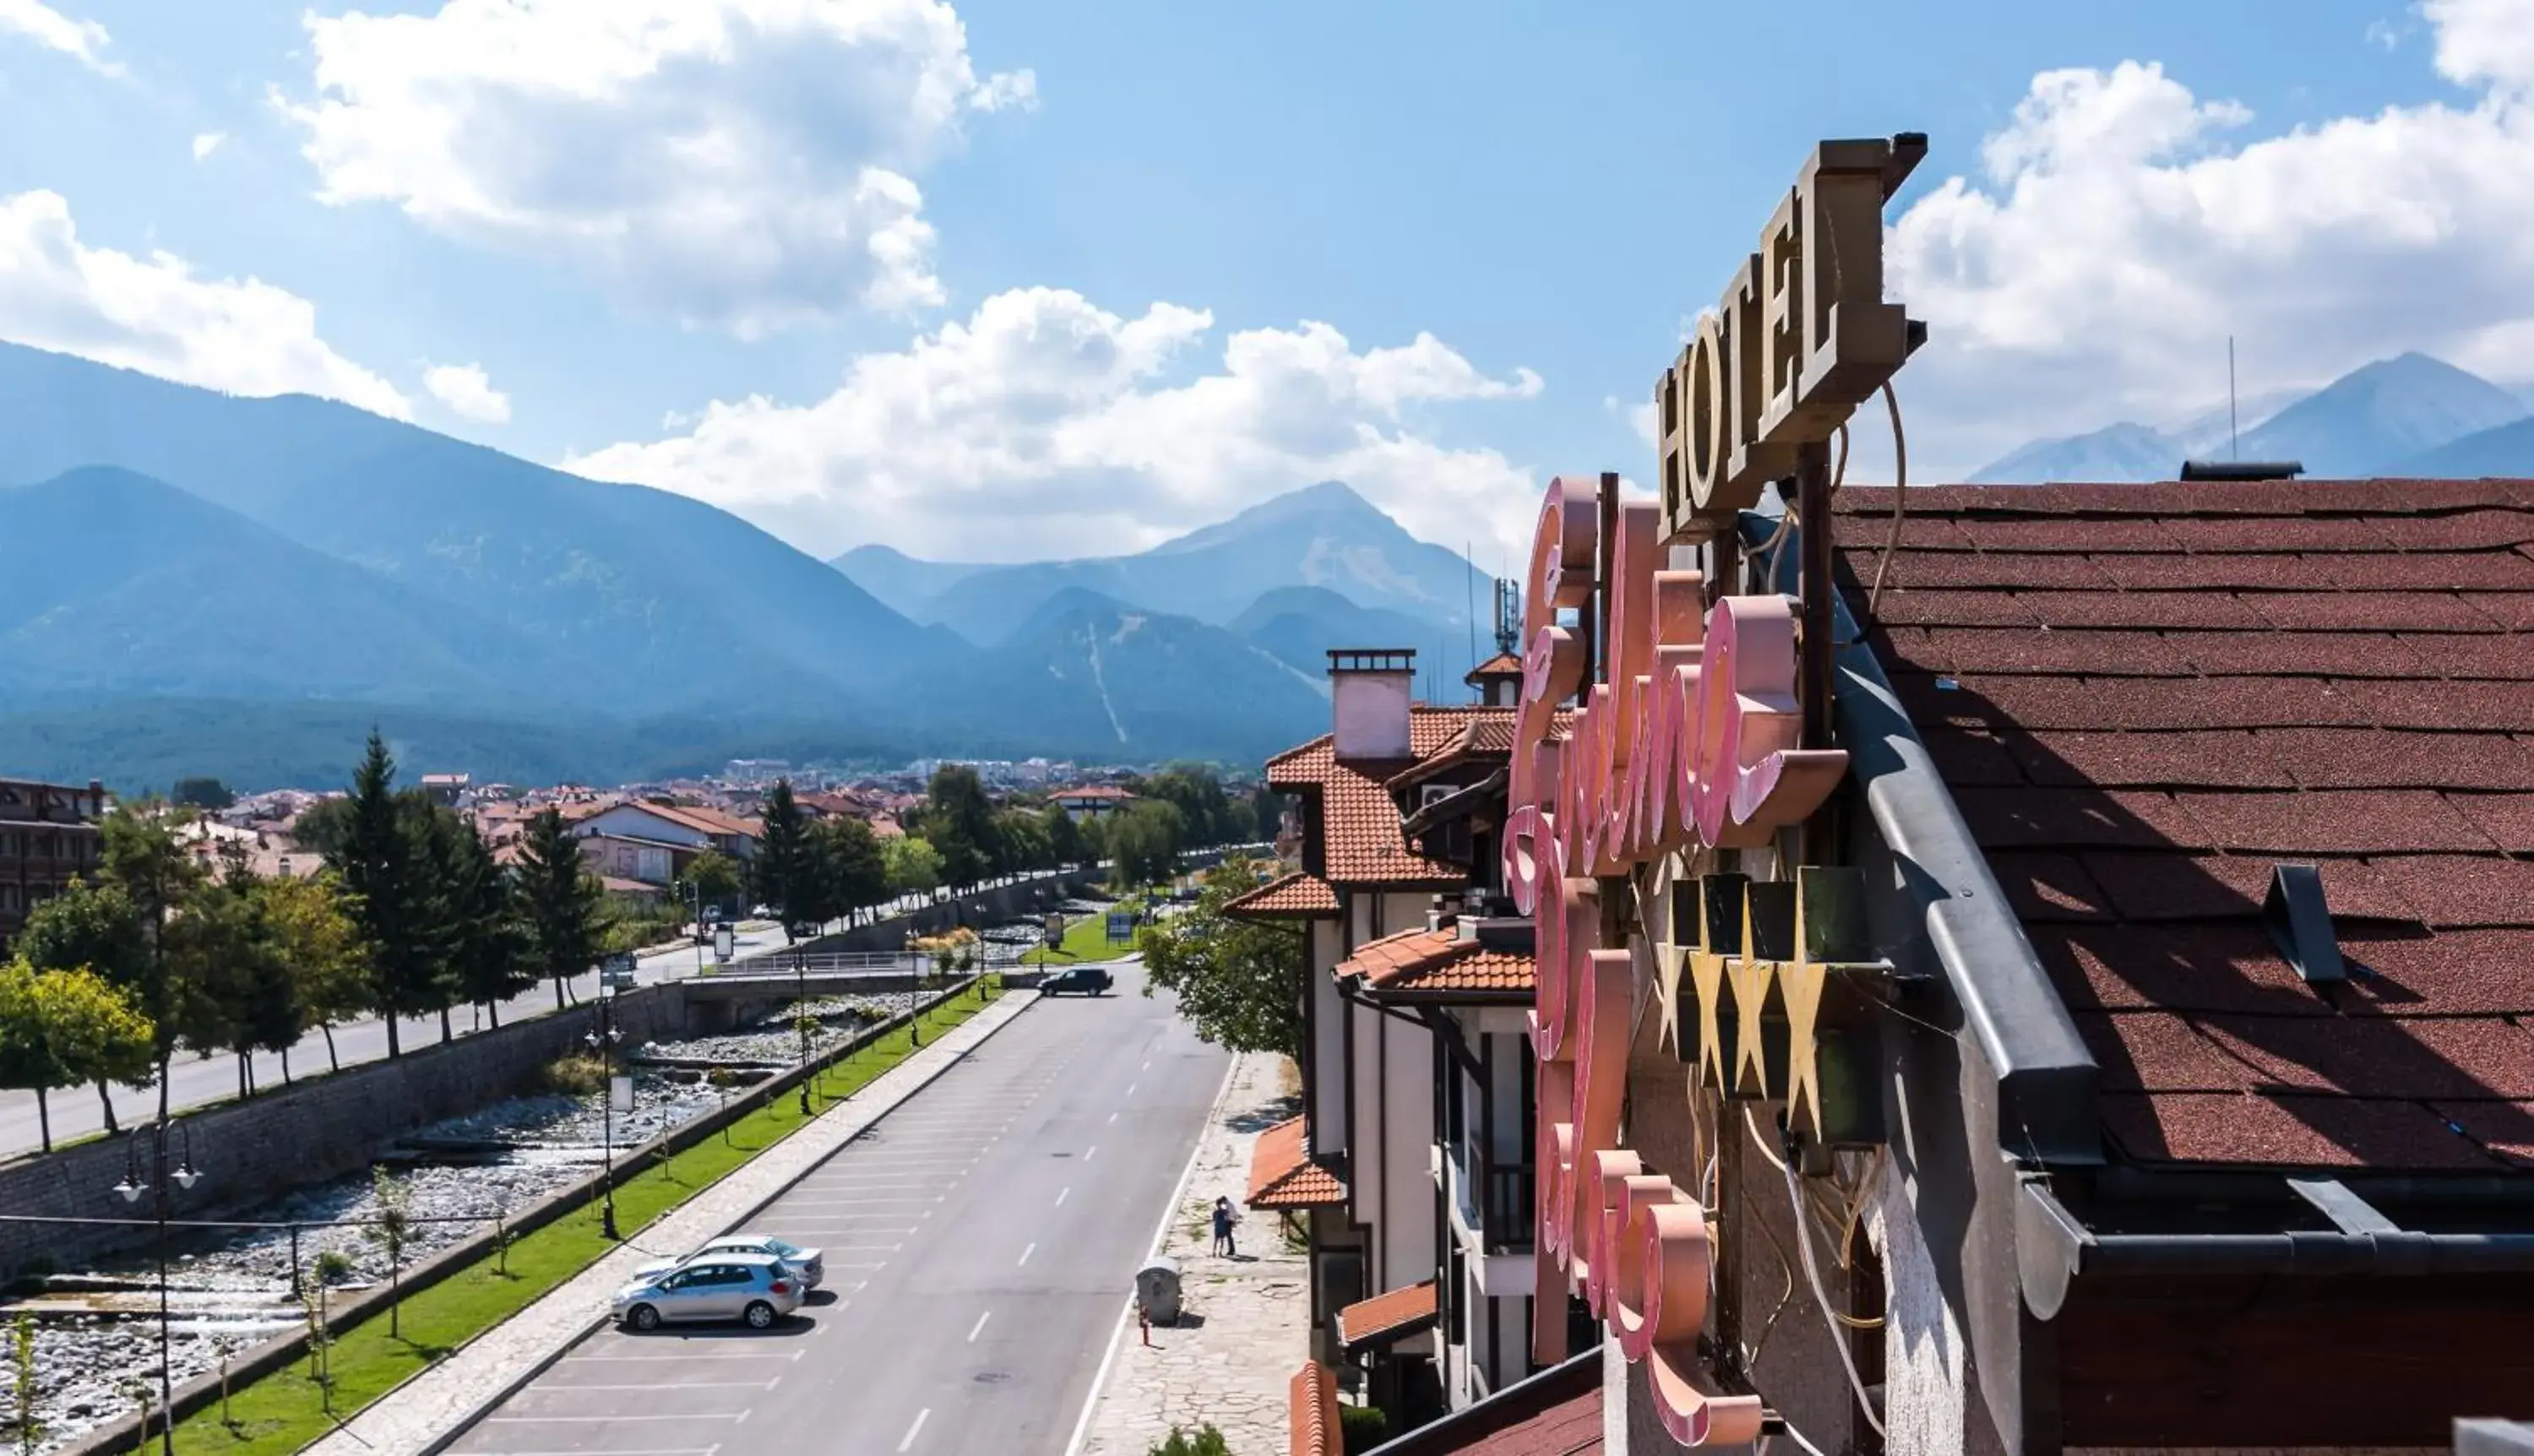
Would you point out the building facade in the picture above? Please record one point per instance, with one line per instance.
(48, 835)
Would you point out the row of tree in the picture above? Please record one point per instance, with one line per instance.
(155, 950)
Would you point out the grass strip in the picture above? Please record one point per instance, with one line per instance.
(286, 1410)
(1086, 939)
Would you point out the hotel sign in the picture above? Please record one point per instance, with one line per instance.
(1688, 737)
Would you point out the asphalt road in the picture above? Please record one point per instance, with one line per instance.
(980, 1244)
(192, 1081)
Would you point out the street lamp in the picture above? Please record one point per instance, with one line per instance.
(800, 1022)
(914, 978)
(134, 1184)
(602, 1039)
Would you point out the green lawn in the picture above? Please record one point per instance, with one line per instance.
(282, 1411)
(1086, 938)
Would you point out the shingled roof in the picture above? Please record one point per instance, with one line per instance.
(1440, 961)
(1282, 1174)
(1294, 896)
(1360, 842)
(2143, 698)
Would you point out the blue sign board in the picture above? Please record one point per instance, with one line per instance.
(1121, 926)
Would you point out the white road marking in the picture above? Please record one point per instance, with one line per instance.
(1094, 1153)
(1113, 1117)
(1131, 1086)
(980, 1327)
(680, 1385)
(920, 1417)
(1064, 1193)
(745, 1354)
(1025, 1253)
(653, 1451)
(593, 1420)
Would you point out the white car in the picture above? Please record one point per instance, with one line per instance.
(810, 1264)
(754, 1289)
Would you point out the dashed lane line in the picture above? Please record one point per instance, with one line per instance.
(979, 1327)
(913, 1431)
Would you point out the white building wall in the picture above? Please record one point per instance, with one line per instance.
(641, 824)
(1410, 1246)
(1329, 1130)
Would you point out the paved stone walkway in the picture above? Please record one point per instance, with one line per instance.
(1231, 1369)
(430, 1411)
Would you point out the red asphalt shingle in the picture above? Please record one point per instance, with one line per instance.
(2146, 697)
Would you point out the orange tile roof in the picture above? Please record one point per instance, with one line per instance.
(1358, 822)
(1386, 1316)
(1440, 960)
(1311, 1410)
(1294, 896)
(1503, 664)
(1282, 1174)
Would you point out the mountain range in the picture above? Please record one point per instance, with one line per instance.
(201, 582)
(2410, 415)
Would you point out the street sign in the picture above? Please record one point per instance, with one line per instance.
(616, 972)
(725, 944)
(1121, 926)
(1055, 929)
(619, 1093)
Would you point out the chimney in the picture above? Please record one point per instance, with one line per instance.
(1369, 692)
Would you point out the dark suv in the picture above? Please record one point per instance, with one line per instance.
(1087, 980)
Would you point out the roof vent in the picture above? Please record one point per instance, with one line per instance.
(2241, 469)
(2300, 924)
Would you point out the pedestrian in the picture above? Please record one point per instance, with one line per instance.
(1225, 1216)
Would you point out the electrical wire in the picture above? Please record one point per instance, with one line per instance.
(1899, 493)
(1799, 1438)
(1812, 1277)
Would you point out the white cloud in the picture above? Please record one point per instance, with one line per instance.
(468, 392)
(2122, 228)
(1043, 425)
(152, 314)
(207, 143)
(83, 41)
(746, 164)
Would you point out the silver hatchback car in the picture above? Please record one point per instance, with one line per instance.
(754, 1289)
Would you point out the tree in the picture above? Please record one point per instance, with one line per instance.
(1021, 839)
(961, 821)
(310, 930)
(1063, 835)
(1144, 842)
(94, 926)
(158, 873)
(1205, 812)
(381, 869)
(713, 877)
(391, 1228)
(488, 947)
(850, 855)
(558, 901)
(63, 1029)
(914, 865)
(323, 826)
(1239, 982)
(233, 994)
(787, 868)
(202, 793)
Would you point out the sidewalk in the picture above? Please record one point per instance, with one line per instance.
(1246, 1325)
(430, 1411)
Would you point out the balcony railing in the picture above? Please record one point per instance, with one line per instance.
(1510, 1208)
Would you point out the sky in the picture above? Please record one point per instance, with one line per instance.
(1014, 280)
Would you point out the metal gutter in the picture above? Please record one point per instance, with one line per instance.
(2055, 1248)
(2045, 1076)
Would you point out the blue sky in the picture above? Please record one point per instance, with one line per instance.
(1113, 196)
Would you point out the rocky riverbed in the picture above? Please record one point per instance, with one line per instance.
(96, 1331)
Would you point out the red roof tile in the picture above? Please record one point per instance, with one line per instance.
(1386, 1316)
(2189, 684)
(1440, 961)
(1571, 1428)
(1360, 842)
(1296, 896)
(1311, 1422)
(1282, 1174)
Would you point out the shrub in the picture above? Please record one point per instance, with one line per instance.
(577, 1075)
(334, 1266)
(1205, 1442)
(1361, 1427)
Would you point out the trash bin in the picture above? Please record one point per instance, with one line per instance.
(1157, 1291)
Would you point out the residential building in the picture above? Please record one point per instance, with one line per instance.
(1091, 800)
(1413, 1077)
(689, 829)
(48, 835)
(446, 789)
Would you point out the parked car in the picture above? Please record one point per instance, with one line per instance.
(810, 1264)
(755, 1289)
(1086, 979)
